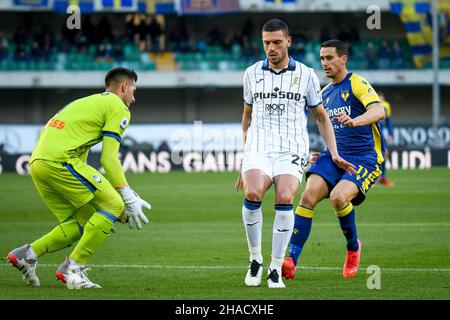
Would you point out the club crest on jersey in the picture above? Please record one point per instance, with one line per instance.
(345, 95)
(296, 80)
(124, 123)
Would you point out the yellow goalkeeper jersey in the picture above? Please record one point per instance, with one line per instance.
(81, 124)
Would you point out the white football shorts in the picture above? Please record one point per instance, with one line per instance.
(275, 164)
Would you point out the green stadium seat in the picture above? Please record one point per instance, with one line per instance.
(148, 66)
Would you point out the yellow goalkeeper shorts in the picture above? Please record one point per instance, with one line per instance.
(67, 187)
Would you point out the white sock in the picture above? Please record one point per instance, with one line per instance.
(253, 228)
(73, 262)
(31, 254)
(282, 232)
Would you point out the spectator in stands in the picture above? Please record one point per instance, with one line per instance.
(301, 35)
(397, 58)
(247, 28)
(354, 34)
(81, 41)
(155, 32)
(47, 43)
(371, 55)
(20, 36)
(384, 56)
(228, 42)
(104, 52)
(68, 35)
(184, 38)
(179, 40)
(117, 50)
(235, 47)
(215, 37)
(20, 53)
(129, 27)
(344, 36)
(35, 52)
(247, 49)
(3, 47)
(325, 34)
(104, 29)
(201, 45)
(298, 50)
(91, 32)
(141, 32)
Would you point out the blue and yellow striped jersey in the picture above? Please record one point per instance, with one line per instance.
(353, 96)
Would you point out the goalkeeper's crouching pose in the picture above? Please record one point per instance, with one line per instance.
(85, 202)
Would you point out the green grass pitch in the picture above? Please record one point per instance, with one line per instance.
(195, 245)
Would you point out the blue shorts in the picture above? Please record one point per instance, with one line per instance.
(368, 171)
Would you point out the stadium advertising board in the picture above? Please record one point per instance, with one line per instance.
(31, 3)
(165, 161)
(208, 7)
(215, 147)
(311, 5)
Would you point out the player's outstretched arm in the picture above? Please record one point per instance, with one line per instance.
(133, 203)
(374, 113)
(326, 130)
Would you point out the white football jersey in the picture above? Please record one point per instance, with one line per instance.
(280, 102)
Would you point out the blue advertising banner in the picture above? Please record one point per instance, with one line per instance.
(86, 6)
(203, 7)
(31, 3)
(157, 6)
(117, 5)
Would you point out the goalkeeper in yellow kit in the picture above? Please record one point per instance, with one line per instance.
(85, 202)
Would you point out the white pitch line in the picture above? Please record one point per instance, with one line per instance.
(156, 266)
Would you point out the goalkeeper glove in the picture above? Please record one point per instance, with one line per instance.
(133, 208)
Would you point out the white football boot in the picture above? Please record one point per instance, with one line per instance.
(23, 260)
(274, 279)
(74, 276)
(254, 274)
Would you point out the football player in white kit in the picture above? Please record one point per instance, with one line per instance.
(278, 94)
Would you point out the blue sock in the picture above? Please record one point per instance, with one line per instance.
(347, 221)
(252, 205)
(383, 169)
(302, 229)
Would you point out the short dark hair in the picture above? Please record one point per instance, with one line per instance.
(341, 47)
(118, 74)
(276, 25)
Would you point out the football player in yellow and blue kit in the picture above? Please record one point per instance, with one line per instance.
(85, 202)
(355, 111)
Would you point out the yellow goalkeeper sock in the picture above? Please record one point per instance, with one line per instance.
(60, 237)
(96, 231)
